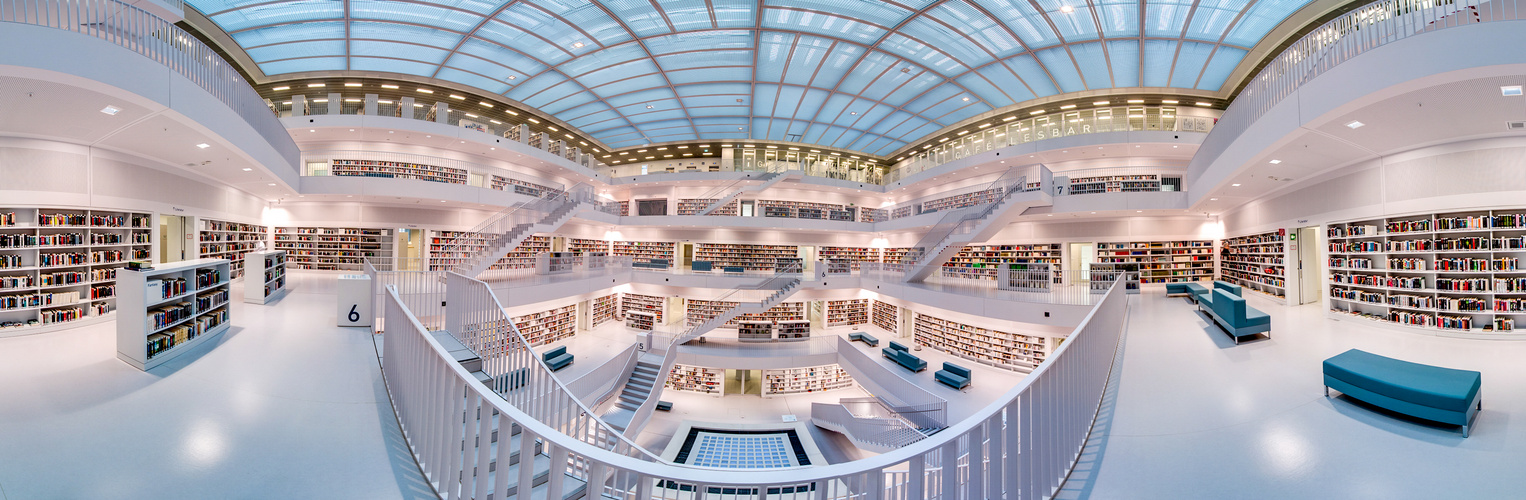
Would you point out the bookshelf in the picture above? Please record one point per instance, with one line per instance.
(696, 379)
(1103, 274)
(526, 188)
(229, 240)
(1030, 277)
(605, 309)
(267, 273)
(645, 251)
(694, 206)
(1255, 262)
(750, 257)
(886, 316)
(58, 266)
(1115, 184)
(846, 312)
(806, 210)
(398, 170)
(855, 255)
(640, 320)
(755, 331)
(805, 380)
(1163, 261)
(981, 261)
(957, 201)
(793, 330)
(333, 248)
(635, 302)
(1455, 273)
(700, 311)
(588, 247)
(986, 346)
(170, 309)
(893, 255)
(548, 326)
(448, 249)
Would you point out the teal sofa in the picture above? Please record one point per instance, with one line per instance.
(557, 358)
(1238, 319)
(865, 338)
(1444, 395)
(1203, 296)
(1189, 290)
(953, 375)
(901, 356)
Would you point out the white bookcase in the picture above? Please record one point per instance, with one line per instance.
(229, 240)
(58, 266)
(334, 248)
(793, 330)
(1255, 262)
(605, 309)
(266, 276)
(805, 380)
(640, 320)
(984, 345)
(187, 304)
(696, 379)
(886, 316)
(846, 312)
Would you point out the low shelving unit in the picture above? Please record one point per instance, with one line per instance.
(170, 309)
(1255, 262)
(696, 379)
(987, 346)
(267, 276)
(805, 380)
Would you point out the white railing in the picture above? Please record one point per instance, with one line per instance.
(605, 380)
(1023, 445)
(138, 30)
(871, 432)
(1337, 41)
(423, 292)
(321, 164)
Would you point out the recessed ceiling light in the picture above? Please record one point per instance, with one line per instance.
(1510, 90)
(1234, 185)
(1094, 212)
(352, 84)
(1139, 211)
(511, 77)
(203, 145)
(1068, 9)
(271, 184)
(352, 100)
(386, 86)
(962, 132)
(852, 112)
(472, 115)
(314, 85)
(966, 99)
(1101, 103)
(457, 97)
(1009, 118)
(984, 125)
(1168, 101)
(426, 91)
(312, 130)
(532, 120)
(1355, 124)
(1204, 104)
(1274, 162)
(1174, 147)
(281, 88)
(442, 201)
(484, 103)
(1036, 112)
(248, 170)
(496, 122)
(1067, 106)
(649, 106)
(111, 110)
(1136, 101)
(1213, 199)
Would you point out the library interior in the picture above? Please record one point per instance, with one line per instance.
(787, 249)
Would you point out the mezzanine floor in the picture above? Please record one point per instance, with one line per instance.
(1192, 415)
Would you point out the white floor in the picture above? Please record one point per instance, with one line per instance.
(284, 405)
(1191, 415)
(288, 406)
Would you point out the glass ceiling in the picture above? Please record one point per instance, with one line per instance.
(864, 75)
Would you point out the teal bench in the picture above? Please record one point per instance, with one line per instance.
(1190, 290)
(865, 338)
(1238, 319)
(953, 375)
(1433, 393)
(898, 353)
(1203, 296)
(733, 270)
(557, 358)
(664, 405)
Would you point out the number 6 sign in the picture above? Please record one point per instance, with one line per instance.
(355, 301)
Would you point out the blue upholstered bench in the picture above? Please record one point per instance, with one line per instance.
(664, 405)
(898, 353)
(953, 375)
(865, 338)
(1204, 295)
(1180, 289)
(1238, 319)
(557, 358)
(733, 270)
(1430, 392)
(701, 266)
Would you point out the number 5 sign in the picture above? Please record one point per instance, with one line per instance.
(355, 300)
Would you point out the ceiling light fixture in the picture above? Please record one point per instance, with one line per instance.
(352, 84)
(496, 122)
(271, 184)
(962, 132)
(1136, 101)
(1068, 106)
(352, 100)
(485, 104)
(1274, 162)
(203, 145)
(1234, 185)
(1168, 101)
(111, 110)
(1510, 91)
(966, 99)
(1036, 112)
(248, 169)
(532, 120)
(577, 45)
(1213, 199)
(1068, 9)
(984, 125)
(1101, 103)
(1204, 104)
(426, 91)
(458, 98)
(283, 87)
(314, 85)
(511, 77)
(1355, 124)
(388, 86)
(469, 115)
(1009, 118)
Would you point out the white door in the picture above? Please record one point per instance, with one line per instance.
(1309, 274)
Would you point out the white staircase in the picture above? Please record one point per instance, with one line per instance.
(646, 377)
(505, 230)
(971, 225)
(507, 241)
(769, 180)
(878, 434)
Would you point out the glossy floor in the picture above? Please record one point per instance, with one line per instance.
(284, 405)
(1192, 415)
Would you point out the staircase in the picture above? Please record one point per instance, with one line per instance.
(769, 180)
(874, 433)
(538, 473)
(639, 397)
(506, 230)
(972, 225)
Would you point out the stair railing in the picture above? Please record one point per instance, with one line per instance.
(965, 220)
(461, 251)
(718, 194)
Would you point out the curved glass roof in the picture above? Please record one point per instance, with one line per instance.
(865, 75)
